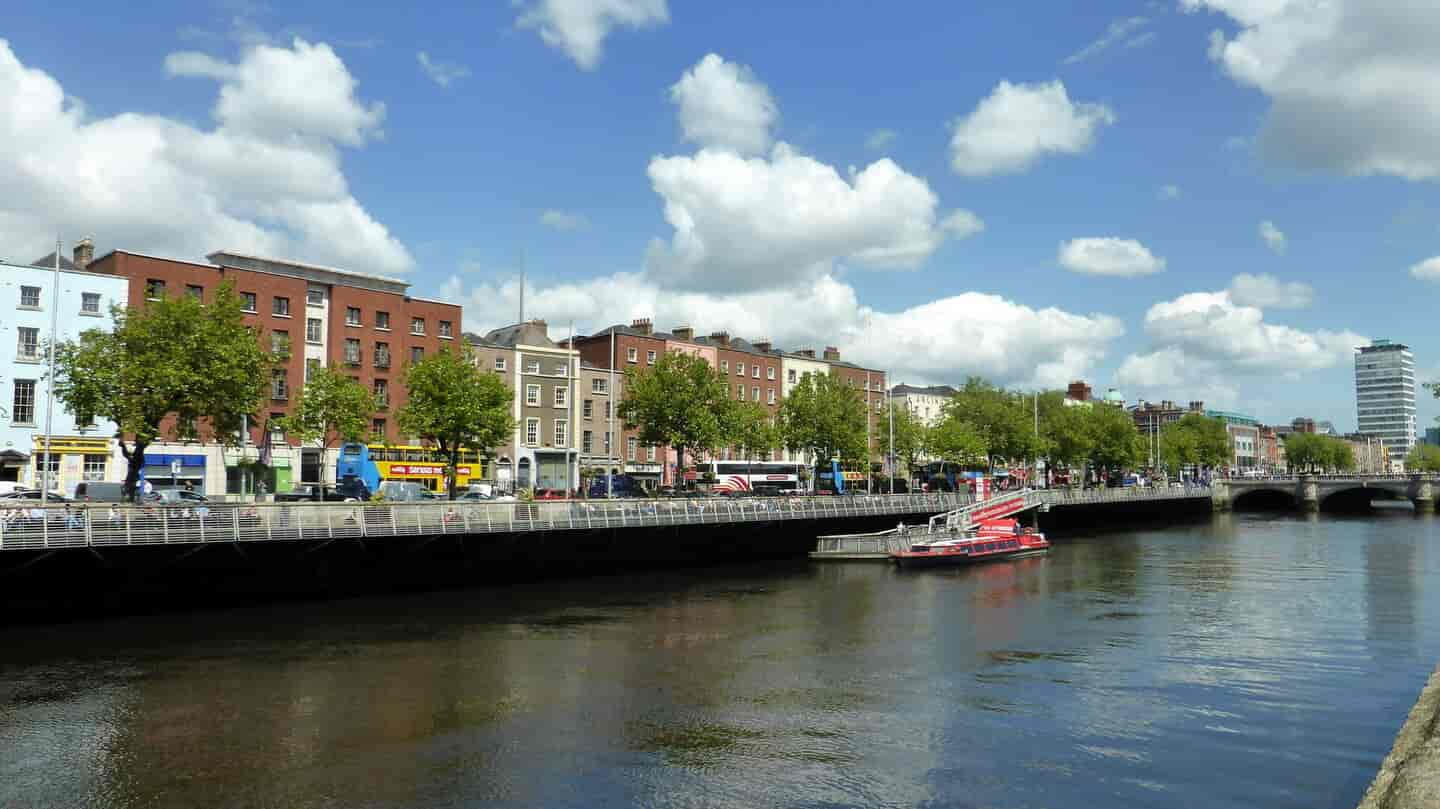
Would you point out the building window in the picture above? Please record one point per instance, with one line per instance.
(754, 372)
(632, 355)
(587, 408)
(90, 303)
(532, 431)
(587, 442)
(28, 347)
(352, 316)
(724, 366)
(770, 373)
(195, 291)
(755, 394)
(280, 306)
(315, 297)
(561, 369)
(446, 331)
(740, 392)
(280, 343)
(532, 395)
(417, 325)
(22, 406)
(352, 351)
(600, 386)
(154, 290)
(532, 366)
(274, 424)
(607, 409)
(416, 355)
(649, 357)
(52, 461)
(770, 396)
(314, 330)
(607, 442)
(94, 468)
(29, 297)
(739, 369)
(499, 363)
(631, 444)
(560, 396)
(377, 429)
(247, 302)
(382, 320)
(279, 385)
(650, 454)
(382, 355)
(311, 366)
(382, 393)
(562, 428)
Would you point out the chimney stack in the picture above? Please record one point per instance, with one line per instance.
(721, 337)
(763, 345)
(683, 333)
(807, 352)
(84, 253)
(832, 354)
(642, 325)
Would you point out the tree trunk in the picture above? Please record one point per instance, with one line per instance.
(452, 472)
(135, 462)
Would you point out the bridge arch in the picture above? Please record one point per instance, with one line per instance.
(1357, 498)
(1264, 499)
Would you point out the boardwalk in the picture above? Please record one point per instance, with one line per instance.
(101, 527)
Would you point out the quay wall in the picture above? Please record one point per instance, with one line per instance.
(1409, 777)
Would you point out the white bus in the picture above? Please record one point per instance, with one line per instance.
(761, 477)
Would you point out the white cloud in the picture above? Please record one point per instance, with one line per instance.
(1427, 270)
(1268, 292)
(1351, 82)
(1274, 239)
(442, 73)
(266, 178)
(564, 220)
(962, 224)
(1203, 343)
(1018, 124)
(1168, 192)
(1109, 256)
(1140, 40)
(939, 341)
(723, 106)
(880, 139)
(579, 27)
(1116, 31)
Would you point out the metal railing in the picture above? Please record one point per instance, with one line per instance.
(26, 527)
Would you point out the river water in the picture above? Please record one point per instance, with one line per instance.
(1253, 661)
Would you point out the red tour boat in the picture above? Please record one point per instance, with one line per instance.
(992, 539)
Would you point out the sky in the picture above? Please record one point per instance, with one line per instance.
(1180, 199)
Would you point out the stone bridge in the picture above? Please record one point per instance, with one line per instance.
(1314, 492)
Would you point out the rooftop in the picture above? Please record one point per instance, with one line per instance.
(933, 390)
(230, 258)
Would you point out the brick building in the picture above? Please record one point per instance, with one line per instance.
(367, 325)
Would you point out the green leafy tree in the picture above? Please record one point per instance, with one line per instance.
(1069, 434)
(1003, 419)
(330, 406)
(911, 436)
(175, 357)
(454, 404)
(752, 431)
(1305, 452)
(956, 441)
(1116, 444)
(1423, 458)
(680, 401)
(1195, 440)
(1339, 455)
(825, 418)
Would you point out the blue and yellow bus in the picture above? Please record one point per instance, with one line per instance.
(375, 463)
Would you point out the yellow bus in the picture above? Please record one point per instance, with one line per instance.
(425, 465)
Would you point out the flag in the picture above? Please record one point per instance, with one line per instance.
(266, 447)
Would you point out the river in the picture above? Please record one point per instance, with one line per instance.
(1252, 661)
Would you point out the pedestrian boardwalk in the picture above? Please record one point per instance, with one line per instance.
(106, 527)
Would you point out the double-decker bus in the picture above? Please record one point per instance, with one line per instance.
(761, 477)
(376, 463)
(833, 478)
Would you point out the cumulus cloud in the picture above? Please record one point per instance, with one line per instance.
(578, 28)
(746, 222)
(1167, 193)
(1109, 256)
(880, 139)
(1274, 239)
(442, 73)
(1201, 343)
(1427, 270)
(266, 177)
(1018, 124)
(1351, 82)
(1116, 31)
(938, 341)
(1268, 292)
(563, 220)
(723, 106)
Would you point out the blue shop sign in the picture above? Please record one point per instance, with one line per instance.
(160, 459)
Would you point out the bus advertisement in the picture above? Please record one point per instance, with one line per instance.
(760, 477)
(376, 463)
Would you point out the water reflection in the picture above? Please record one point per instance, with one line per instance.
(1121, 670)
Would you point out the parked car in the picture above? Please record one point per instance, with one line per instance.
(32, 496)
(405, 491)
(346, 491)
(178, 497)
(551, 494)
(97, 491)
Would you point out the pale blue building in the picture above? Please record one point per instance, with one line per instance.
(27, 304)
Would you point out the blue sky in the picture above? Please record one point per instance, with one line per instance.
(313, 129)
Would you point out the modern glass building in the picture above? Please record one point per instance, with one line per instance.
(1385, 396)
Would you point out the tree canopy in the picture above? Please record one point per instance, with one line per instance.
(1003, 420)
(330, 405)
(456, 405)
(751, 430)
(1195, 440)
(1423, 458)
(680, 401)
(911, 436)
(198, 362)
(1312, 452)
(825, 418)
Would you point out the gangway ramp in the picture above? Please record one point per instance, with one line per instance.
(878, 545)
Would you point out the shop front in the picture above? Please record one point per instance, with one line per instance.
(175, 470)
(72, 459)
(13, 465)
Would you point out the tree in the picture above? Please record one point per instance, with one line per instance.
(1339, 455)
(1003, 419)
(175, 357)
(1423, 458)
(956, 441)
(680, 401)
(910, 436)
(1195, 440)
(330, 405)
(454, 404)
(751, 429)
(1305, 451)
(1068, 434)
(824, 418)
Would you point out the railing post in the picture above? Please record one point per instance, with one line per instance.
(235, 524)
(329, 523)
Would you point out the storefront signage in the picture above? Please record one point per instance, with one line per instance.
(412, 469)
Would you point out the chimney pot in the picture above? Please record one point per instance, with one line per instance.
(763, 345)
(84, 253)
(642, 325)
(683, 333)
(832, 353)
